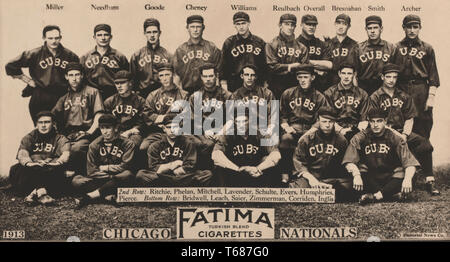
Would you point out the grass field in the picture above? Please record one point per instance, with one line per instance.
(423, 214)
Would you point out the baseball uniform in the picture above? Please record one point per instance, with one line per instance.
(99, 70)
(117, 156)
(162, 152)
(47, 71)
(341, 53)
(143, 65)
(381, 160)
(35, 147)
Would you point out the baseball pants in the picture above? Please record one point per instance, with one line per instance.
(422, 150)
(25, 179)
(105, 185)
(288, 143)
(230, 178)
(42, 99)
(196, 178)
(388, 186)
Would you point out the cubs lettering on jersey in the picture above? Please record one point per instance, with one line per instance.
(95, 60)
(288, 51)
(113, 151)
(346, 100)
(412, 52)
(147, 59)
(308, 104)
(247, 149)
(395, 102)
(377, 148)
(164, 100)
(242, 49)
(49, 62)
(78, 101)
(374, 55)
(327, 149)
(315, 50)
(43, 147)
(198, 54)
(175, 152)
(254, 99)
(339, 52)
(124, 109)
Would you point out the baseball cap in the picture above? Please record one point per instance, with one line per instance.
(309, 19)
(288, 18)
(164, 66)
(240, 16)
(411, 19)
(101, 27)
(389, 67)
(74, 66)
(122, 75)
(346, 65)
(327, 112)
(45, 113)
(252, 66)
(305, 69)
(151, 22)
(194, 19)
(344, 18)
(376, 113)
(107, 119)
(373, 19)
(168, 118)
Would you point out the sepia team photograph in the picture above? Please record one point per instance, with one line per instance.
(235, 121)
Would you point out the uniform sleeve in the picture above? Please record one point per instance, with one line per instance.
(284, 107)
(14, 67)
(404, 154)
(300, 157)
(124, 65)
(321, 102)
(177, 62)
(134, 71)
(189, 156)
(62, 145)
(433, 76)
(109, 105)
(139, 118)
(364, 107)
(218, 59)
(274, 62)
(221, 144)
(23, 154)
(352, 153)
(127, 158)
(225, 72)
(154, 161)
(92, 162)
(98, 102)
(150, 113)
(409, 109)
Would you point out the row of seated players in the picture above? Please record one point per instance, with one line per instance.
(75, 108)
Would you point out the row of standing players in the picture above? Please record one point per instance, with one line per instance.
(279, 60)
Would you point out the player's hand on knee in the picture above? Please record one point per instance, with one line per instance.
(179, 171)
(357, 183)
(406, 186)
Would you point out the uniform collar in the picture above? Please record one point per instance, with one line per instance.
(213, 91)
(412, 42)
(58, 49)
(149, 46)
(303, 39)
(201, 42)
(117, 137)
(286, 38)
(340, 87)
(346, 40)
(381, 91)
(110, 50)
(168, 89)
(250, 36)
(380, 42)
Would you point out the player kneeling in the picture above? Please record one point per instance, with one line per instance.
(171, 160)
(318, 158)
(380, 161)
(108, 164)
(42, 156)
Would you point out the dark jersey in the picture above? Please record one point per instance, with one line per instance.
(99, 70)
(400, 106)
(300, 107)
(76, 109)
(237, 52)
(321, 155)
(341, 52)
(244, 150)
(417, 61)
(379, 155)
(318, 50)
(117, 154)
(281, 52)
(350, 104)
(210, 102)
(189, 57)
(46, 69)
(162, 152)
(42, 147)
(143, 64)
(260, 96)
(127, 109)
(370, 58)
(159, 102)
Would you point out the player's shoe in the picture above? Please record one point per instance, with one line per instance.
(430, 186)
(112, 199)
(400, 197)
(31, 199)
(284, 180)
(82, 202)
(366, 199)
(46, 200)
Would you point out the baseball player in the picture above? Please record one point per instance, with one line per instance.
(418, 73)
(42, 156)
(371, 55)
(380, 161)
(319, 53)
(158, 103)
(318, 158)
(206, 104)
(127, 107)
(46, 65)
(284, 54)
(101, 63)
(241, 159)
(260, 96)
(299, 106)
(77, 114)
(108, 164)
(242, 49)
(172, 160)
(194, 53)
(342, 48)
(143, 62)
(400, 116)
(349, 101)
